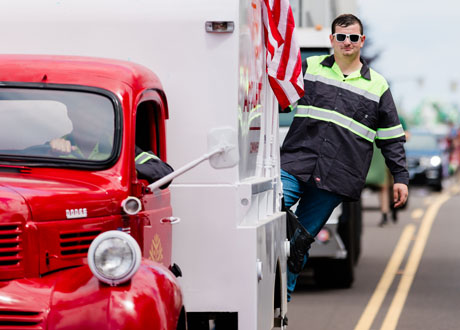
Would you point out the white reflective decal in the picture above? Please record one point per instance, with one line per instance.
(76, 213)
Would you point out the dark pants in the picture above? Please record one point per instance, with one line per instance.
(314, 209)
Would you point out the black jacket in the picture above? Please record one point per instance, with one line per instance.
(151, 168)
(331, 138)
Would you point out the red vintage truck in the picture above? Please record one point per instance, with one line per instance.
(72, 227)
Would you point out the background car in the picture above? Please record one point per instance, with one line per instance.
(425, 159)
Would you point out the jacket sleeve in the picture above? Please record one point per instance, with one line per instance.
(391, 138)
(151, 168)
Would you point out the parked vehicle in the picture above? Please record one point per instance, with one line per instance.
(83, 243)
(231, 241)
(425, 159)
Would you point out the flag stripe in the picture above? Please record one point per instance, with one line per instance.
(273, 27)
(279, 92)
(284, 65)
(286, 55)
(276, 11)
(268, 45)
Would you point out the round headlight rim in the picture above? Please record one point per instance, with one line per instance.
(135, 249)
(99, 268)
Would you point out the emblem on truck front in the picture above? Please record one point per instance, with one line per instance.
(76, 213)
(156, 250)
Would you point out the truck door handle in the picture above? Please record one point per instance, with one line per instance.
(170, 220)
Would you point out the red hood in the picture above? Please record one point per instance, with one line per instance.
(51, 199)
(13, 207)
(16, 295)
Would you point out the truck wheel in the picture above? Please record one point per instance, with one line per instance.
(437, 187)
(340, 272)
(334, 273)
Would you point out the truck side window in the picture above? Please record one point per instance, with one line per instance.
(147, 128)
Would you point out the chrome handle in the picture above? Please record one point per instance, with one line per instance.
(170, 220)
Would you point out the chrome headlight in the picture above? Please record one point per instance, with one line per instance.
(114, 257)
(435, 161)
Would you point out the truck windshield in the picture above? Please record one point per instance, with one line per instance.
(56, 124)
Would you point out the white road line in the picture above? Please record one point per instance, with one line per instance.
(416, 214)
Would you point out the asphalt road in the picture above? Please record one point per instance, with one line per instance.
(408, 276)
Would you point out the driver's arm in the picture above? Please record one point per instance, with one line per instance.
(151, 168)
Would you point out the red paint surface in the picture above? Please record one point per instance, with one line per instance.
(38, 243)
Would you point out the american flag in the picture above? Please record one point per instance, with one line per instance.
(284, 65)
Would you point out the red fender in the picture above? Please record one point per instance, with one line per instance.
(75, 299)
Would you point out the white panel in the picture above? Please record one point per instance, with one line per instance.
(218, 258)
(198, 70)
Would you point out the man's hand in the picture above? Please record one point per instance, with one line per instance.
(400, 193)
(61, 146)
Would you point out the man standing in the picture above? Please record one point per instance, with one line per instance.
(328, 149)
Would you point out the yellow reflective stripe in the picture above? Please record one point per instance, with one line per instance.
(390, 132)
(377, 85)
(338, 119)
(343, 85)
(144, 157)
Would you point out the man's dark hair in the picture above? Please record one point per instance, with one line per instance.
(346, 20)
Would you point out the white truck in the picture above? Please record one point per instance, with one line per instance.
(210, 57)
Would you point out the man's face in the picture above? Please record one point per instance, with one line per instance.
(347, 48)
(87, 124)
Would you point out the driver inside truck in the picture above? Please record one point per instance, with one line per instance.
(91, 139)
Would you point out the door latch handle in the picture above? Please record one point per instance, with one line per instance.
(170, 220)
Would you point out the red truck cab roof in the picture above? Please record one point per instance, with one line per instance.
(119, 77)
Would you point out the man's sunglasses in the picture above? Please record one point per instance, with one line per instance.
(340, 37)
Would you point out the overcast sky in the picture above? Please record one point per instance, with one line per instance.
(419, 43)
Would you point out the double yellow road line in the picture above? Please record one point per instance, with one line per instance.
(392, 269)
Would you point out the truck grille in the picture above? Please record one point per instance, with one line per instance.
(76, 243)
(10, 244)
(21, 320)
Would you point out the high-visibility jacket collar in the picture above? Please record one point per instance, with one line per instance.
(330, 61)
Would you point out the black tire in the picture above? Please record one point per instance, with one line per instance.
(437, 187)
(334, 273)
